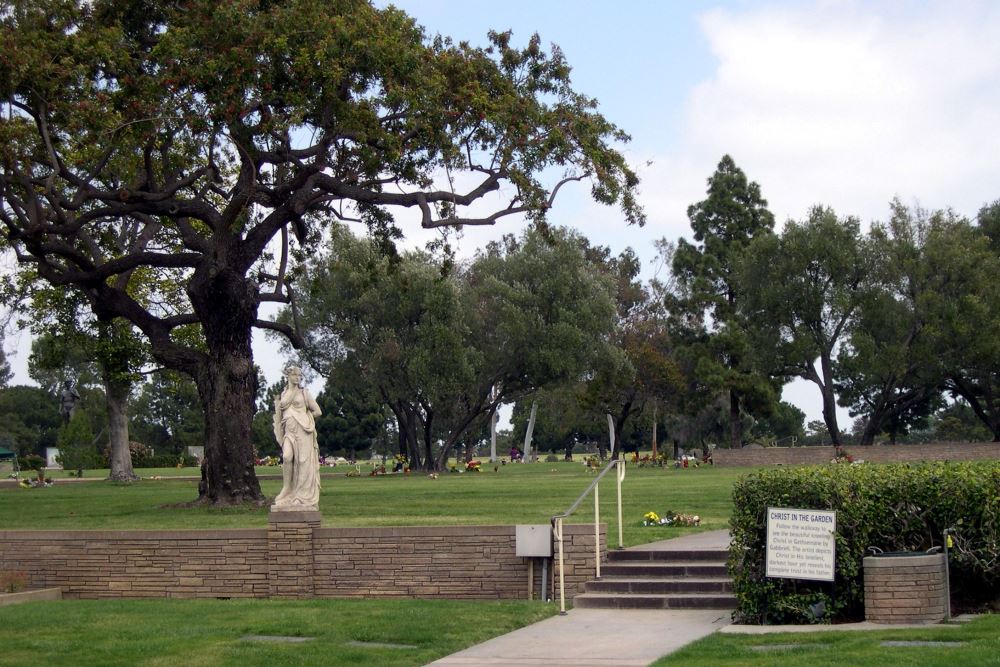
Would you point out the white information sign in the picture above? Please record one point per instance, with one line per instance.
(800, 543)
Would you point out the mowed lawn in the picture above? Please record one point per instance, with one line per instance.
(243, 633)
(530, 493)
(975, 644)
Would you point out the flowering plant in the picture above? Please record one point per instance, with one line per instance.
(670, 519)
(840, 456)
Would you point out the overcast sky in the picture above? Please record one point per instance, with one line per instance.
(846, 104)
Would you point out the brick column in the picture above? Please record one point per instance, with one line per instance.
(905, 589)
(290, 553)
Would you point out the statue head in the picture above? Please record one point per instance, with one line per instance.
(293, 375)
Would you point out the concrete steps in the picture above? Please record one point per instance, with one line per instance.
(661, 579)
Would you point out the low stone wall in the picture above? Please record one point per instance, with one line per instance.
(905, 589)
(946, 451)
(294, 557)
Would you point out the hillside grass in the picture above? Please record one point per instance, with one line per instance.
(515, 494)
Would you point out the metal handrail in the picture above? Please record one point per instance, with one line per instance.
(557, 525)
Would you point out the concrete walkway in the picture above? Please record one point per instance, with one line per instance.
(603, 637)
(594, 638)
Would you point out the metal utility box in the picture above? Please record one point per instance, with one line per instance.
(533, 541)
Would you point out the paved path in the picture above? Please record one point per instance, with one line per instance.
(712, 539)
(603, 637)
(594, 638)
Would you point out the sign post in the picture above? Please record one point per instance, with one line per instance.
(801, 544)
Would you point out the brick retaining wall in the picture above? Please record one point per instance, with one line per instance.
(293, 557)
(950, 451)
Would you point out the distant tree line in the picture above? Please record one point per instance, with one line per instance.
(900, 324)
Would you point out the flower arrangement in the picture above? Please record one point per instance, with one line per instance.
(840, 456)
(670, 519)
(474, 466)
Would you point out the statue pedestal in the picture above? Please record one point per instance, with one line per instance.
(290, 551)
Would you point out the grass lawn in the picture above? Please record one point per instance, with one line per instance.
(516, 494)
(211, 632)
(980, 638)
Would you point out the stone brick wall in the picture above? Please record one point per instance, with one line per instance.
(445, 561)
(141, 563)
(908, 589)
(950, 451)
(293, 557)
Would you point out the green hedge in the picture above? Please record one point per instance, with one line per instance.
(896, 507)
(165, 461)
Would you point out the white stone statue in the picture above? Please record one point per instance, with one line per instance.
(295, 428)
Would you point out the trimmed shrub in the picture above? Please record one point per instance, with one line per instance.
(165, 461)
(896, 507)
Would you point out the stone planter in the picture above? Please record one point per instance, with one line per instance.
(905, 588)
(30, 596)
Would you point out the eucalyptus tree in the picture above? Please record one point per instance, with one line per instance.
(800, 291)
(707, 300)
(228, 133)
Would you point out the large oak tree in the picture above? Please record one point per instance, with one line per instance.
(198, 137)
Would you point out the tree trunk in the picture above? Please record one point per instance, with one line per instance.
(526, 453)
(735, 425)
(829, 399)
(114, 362)
(430, 465)
(116, 394)
(226, 304)
(981, 398)
(228, 390)
(655, 453)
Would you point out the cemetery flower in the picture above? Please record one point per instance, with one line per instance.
(670, 519)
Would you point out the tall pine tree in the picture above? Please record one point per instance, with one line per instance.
(707, 300)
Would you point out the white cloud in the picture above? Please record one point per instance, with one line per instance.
(850, 105)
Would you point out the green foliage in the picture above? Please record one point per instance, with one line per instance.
(77, 450)
(31, 462)
(5, 373)
(707, 303)
(352, 417)
(800, 290)
(442, 351)
(29, 419)
(898, 507)
(167, 414)
(189, 136)
(927, 316)
(165, 461)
